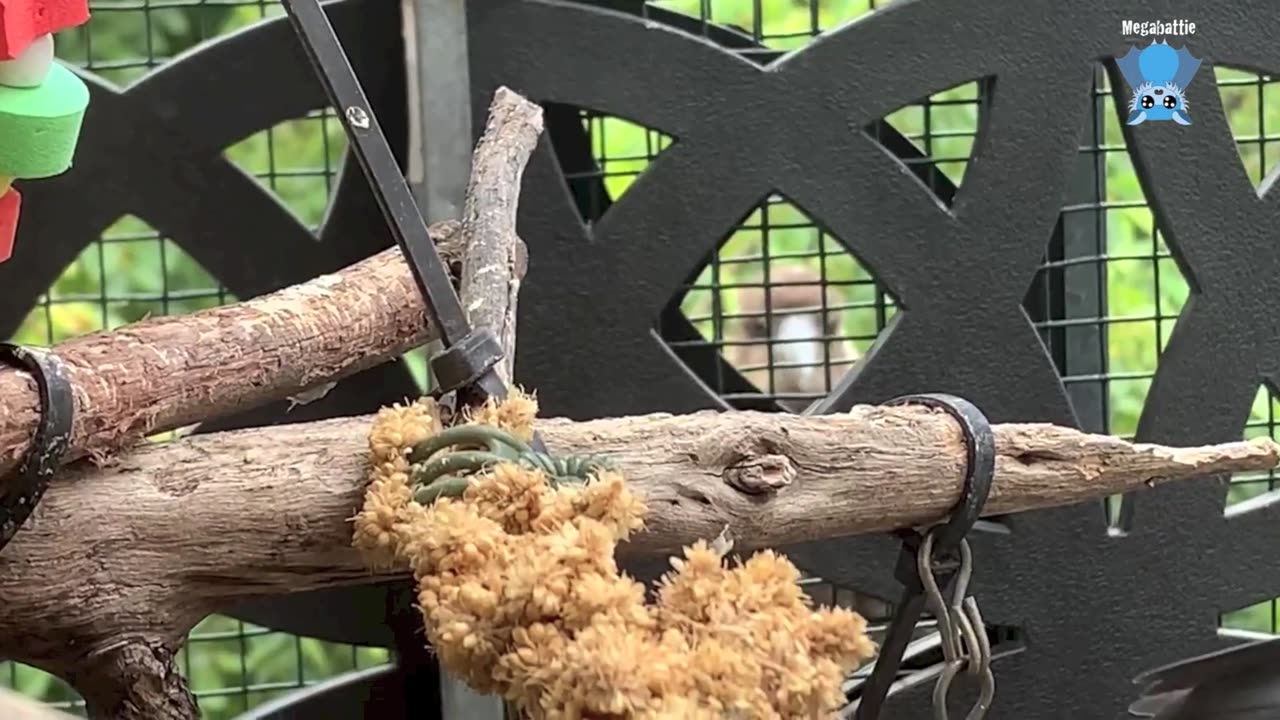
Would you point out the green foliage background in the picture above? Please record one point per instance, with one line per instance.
(133, 273)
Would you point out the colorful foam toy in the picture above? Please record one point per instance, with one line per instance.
(42, 103)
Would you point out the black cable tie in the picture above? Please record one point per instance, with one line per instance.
(22, 489)
(467, 365)
(465, 362)
(980, 449)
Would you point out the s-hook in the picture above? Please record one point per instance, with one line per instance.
(931, 561)
(466, 366)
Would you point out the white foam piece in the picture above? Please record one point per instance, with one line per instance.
(31, 67)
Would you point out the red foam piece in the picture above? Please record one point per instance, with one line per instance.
(10, 203)
(22, 21)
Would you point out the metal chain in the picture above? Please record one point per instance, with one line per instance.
(965, 645)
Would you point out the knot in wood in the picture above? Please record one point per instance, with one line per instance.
(760, 474)
(750, 456)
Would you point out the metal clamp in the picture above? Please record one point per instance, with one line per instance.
(21, 491)
(469, 357)
(934, 560)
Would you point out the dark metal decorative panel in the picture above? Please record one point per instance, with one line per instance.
(1093, 608)
(1104, 606)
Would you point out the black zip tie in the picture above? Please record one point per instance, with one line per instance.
(22, 489)
(466, 366)
(980, 450)
(462, 365)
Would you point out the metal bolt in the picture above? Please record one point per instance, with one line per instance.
(358, 117)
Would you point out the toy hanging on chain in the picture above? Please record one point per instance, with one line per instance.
(42, 103)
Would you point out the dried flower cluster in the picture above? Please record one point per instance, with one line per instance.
(522, 597)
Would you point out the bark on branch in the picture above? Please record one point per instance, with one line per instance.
(497, 258)
(148, 546)
(168, 372)
(174, 371)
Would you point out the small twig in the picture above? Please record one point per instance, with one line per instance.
(496, 256)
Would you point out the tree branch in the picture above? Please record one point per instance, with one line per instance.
(497, 258)
(169, 533)
(167, 372)
(174, 371)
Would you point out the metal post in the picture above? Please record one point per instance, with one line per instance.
(439, 165)
(440, 134)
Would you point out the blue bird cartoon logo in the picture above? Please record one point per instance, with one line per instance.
(1159, 76)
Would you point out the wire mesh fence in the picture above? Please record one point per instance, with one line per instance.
(789, 306)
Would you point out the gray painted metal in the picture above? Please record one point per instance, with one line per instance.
(440, 122)
(439, 115)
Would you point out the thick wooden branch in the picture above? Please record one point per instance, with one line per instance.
(168, 372)
(171, 372)
(171, 532)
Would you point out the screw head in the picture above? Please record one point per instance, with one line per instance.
(358, 117)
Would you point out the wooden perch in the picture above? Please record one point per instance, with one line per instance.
(122, 559)
(168, 372)
(497, 258)
(136, 553)
(174, 371)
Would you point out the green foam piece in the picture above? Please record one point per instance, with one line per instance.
(40, 126)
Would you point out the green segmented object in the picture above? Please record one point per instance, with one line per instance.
(435, 474)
